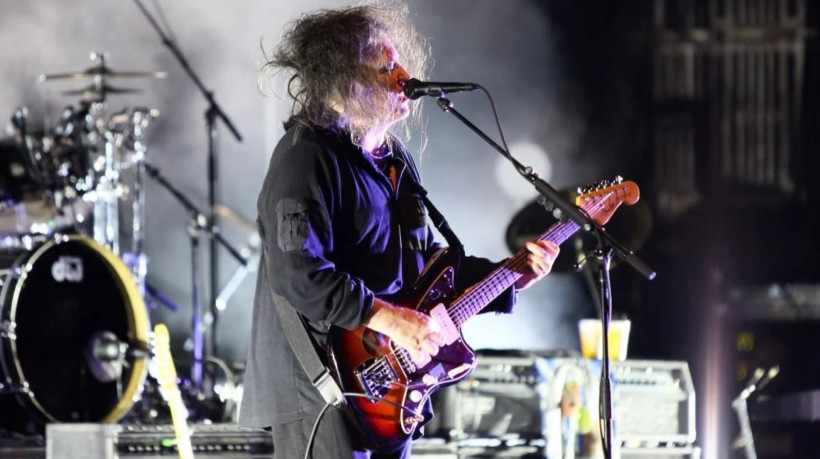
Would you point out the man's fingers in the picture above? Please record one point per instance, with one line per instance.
(429, 347)
(436, 338)
(432, 325)
(551, 250)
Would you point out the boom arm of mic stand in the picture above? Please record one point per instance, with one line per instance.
(552, 194)
(209, 95)
(196, 215)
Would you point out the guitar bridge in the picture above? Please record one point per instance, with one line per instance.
(376, 376)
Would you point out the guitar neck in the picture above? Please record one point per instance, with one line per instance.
(483, 293)
(169, 389)
(179, 420)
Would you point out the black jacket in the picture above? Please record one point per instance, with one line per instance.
(335, 234)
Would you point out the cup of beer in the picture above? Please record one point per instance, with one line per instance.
(590, 331)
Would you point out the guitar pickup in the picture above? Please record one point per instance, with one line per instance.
(449, 331)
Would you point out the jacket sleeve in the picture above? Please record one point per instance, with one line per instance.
(296, 207)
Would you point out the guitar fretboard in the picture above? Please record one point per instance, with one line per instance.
(483, 293)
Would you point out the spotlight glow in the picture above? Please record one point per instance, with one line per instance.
(529, 154)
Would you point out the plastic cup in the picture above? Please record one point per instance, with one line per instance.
(590, 331)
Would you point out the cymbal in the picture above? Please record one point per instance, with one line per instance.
(101, 71)
(232, 216)
(98, 93)
(630, 225)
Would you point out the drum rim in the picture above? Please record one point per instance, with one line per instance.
(137, 316)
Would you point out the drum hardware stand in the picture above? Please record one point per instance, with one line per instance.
(14, 389)
(252, 255)
(197, 223)
(7, 331)
(136, 259)
(155, 294)
(7, 328)
(213, 112)
(251, 251)
(109, 190)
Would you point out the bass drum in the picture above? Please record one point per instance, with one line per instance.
(74, 332)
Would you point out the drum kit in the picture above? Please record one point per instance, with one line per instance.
(74, 329)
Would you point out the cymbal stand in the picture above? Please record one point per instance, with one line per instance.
(252, 252)
(213, 113)
(107, 189)
(113, 144)
(136, 259)
(198, 222)
(138, 121)
(108, 192)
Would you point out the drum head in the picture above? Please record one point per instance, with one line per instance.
(73, 302)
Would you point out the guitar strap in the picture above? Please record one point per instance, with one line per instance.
(438, 219)
(295, 330)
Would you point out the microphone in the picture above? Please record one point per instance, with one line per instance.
(414, 88)
(105, 355)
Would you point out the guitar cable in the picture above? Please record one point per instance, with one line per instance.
(315, 429)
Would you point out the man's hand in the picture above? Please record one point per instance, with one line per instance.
(415, 331)
(541, 256)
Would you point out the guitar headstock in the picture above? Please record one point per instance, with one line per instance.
(166, 371)
(602, 199)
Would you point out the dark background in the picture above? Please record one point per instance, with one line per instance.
(575, 84)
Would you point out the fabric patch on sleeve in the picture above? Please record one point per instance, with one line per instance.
(293, 224)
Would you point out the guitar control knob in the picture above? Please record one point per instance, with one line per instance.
(411, 421)
(415, 396)
(429, 379)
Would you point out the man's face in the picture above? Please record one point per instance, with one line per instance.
(391, 76)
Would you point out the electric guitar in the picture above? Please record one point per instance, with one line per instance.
(167, 378)
(395, 388)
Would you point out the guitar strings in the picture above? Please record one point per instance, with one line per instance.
(460, 309)
(511, 271)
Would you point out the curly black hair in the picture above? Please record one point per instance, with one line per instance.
(324, 53)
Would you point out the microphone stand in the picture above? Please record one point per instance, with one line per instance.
(211, 114)
(607, 248)
(197, 222)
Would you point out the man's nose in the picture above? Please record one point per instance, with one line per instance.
(401, 77)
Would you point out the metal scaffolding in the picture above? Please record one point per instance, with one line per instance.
(727, 87)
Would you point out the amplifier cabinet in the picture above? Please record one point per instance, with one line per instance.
(525, 397)
(504, 397)
(112, 441)
(654, 401)
(672, 452)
